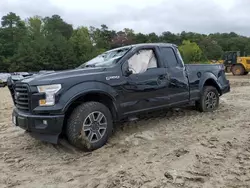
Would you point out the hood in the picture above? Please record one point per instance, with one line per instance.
(62, 76)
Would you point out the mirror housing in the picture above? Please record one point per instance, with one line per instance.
(126, 70)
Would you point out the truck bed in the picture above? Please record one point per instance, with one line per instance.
(197, 73)
(204, 68)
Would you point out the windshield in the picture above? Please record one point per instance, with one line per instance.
(106, 59)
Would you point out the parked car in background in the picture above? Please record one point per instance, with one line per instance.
(3, 79)
(19, 76)
(16, 77)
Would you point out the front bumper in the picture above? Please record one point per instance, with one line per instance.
(226, 88)
(43, 127)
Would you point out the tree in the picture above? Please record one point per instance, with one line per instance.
(123, 38)
(10, 20)
(82, 45)
(152, 37)
(141, 38)
(11, 34)
(55, 25)
(52, 43)
(190, 51)
(170, 38)
(191, 36)
(35, 27)
(211, 49)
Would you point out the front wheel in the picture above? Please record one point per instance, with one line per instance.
(89, 126)
(209, 100)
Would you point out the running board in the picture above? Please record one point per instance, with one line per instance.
(134, 118)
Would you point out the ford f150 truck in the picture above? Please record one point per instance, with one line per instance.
(82, 104)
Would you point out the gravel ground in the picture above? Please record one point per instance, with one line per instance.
(176, 148)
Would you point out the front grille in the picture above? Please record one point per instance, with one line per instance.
(21, 97)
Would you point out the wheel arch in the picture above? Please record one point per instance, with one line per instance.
(212, 82)
(209, 79)
(91, 96)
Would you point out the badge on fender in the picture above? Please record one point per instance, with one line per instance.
(112, 77)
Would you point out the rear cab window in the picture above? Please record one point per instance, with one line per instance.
(169, 57)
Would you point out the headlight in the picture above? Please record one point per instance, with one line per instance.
(50, 91)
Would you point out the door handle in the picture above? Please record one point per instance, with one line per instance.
(162, 79)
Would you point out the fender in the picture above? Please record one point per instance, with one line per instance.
(69, 95)
(209, 76)
(84, 88)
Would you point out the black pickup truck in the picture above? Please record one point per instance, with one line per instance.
(82, 104)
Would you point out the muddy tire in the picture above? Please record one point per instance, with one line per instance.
(238, 70)
(89, 126)
(209, 100)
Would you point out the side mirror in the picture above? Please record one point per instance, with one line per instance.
(126, 70)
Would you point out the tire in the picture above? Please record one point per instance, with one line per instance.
(238, 70)
(85, 131)
(245, 73)
(2, 85)
(209, 100)
(228, 69)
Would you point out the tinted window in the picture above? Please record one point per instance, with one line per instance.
(169, 57)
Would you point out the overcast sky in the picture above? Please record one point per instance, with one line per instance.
(203, 16)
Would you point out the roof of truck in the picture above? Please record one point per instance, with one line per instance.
(143, 44)
(154, 44)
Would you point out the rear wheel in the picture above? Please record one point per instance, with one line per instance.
(89, 126)
(238, 70)
(209, 100)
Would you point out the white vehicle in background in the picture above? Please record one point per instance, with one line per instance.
(16, 76)
(3, 79)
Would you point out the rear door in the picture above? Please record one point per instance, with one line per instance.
(178, 88)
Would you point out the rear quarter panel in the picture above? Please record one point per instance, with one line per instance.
(199, 74)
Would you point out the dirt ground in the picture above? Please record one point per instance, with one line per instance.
(176, 148)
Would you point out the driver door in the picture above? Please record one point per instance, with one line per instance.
(146, 87)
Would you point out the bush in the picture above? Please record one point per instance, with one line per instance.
(191, 52)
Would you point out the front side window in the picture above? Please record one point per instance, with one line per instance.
(141, 61)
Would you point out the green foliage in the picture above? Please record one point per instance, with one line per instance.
(82, 45)
(190, 52)
(211, 49)
(56, 26)
(39, 43)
